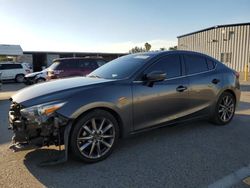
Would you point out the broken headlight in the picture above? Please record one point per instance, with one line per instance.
(42, 112)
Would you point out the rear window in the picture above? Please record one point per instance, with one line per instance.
(195, 64)
(10, 66)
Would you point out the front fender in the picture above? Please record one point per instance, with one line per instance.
(116, 98)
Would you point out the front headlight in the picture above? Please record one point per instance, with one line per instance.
(42, 111)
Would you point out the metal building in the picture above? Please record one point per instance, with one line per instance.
(229, 44)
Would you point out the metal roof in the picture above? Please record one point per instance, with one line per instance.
(63, 52)
(214, 27)
(14, 50)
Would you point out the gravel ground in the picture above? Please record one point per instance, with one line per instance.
(194, 154)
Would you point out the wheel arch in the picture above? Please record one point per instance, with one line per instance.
(108, 109)
(231, 92)
(22, 74)
(19, 74)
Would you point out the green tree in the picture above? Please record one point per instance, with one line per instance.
(147, 46)
(172, 48)
(137, 50)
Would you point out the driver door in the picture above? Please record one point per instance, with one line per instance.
(166, 100)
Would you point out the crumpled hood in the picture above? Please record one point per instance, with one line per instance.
(54, 90)
(36, 73)
(32, 74)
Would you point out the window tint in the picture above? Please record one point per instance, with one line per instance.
(170, 64)
(88, 64)
(100, 62)
(195, 64)
(68, 64)
(122, 67)
(210, 64)
(11, 66)
(65, 64)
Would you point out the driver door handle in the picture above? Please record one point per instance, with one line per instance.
(181, 88)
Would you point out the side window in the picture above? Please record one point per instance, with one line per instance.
(195, 64)
(68, 64)
(85, 64)
(16, 66)
(100, 63)
(3, 67)
(170, 64)
(11, 66)
(210, 64)
(88, 64)
(82, 64)
(93, 65)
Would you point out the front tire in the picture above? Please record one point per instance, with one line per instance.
(94, 136)
(19, 78)
(225, 109)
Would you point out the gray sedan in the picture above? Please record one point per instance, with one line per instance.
(128, 95)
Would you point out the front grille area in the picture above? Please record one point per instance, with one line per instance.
(14, 114)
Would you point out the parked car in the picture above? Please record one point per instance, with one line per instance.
(15, 71)
(70, 67)
(35, 77)
(128, 95)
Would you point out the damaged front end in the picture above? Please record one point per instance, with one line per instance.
(38, 126)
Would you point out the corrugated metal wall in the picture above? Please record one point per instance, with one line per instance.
(229, 39)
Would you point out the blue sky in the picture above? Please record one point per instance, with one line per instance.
(110, 25)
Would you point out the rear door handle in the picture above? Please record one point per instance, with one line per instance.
(181, 88)
(215, 81)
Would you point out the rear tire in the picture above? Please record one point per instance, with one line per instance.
(224, 109)
(94, 136)
(19, 78)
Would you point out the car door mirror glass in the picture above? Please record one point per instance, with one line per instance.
(155, 76)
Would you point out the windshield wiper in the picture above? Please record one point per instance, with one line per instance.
(94, 76)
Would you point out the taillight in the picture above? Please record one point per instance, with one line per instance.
(237, 74)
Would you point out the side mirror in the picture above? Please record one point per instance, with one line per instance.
(155, 76)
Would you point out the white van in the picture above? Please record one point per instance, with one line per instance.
(15, 71)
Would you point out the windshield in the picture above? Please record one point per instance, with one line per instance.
(54, 65)
(121, 68)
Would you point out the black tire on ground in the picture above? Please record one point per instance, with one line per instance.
(40, 80)
(19, 78)
(103, 120)
(217, 117)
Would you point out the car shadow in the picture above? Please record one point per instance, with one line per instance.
(163, 152)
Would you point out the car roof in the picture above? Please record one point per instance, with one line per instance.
(162, 53)
(71, 58)
(8, 63)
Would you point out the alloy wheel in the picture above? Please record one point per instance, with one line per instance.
(19, 78)
(96, 137)
(226, 108)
